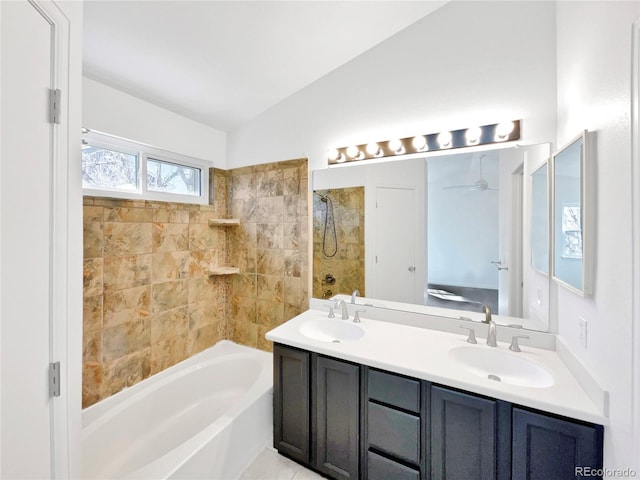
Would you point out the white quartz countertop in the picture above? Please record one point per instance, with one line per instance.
(423, 353)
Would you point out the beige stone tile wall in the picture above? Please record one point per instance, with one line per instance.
(347, 264)
(148, 299)
(270, 247)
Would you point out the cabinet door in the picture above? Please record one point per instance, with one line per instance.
(547, 447)
(463, 435)
(337, 397)
(291, 402)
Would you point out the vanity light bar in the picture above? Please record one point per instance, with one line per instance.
(433, 142)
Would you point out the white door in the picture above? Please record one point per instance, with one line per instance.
(395, 256)
(27, 298)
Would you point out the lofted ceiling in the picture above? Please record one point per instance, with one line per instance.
(222, 63)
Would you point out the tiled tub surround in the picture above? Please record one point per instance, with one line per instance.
(270, 246)
(148, 299)
(347, 265)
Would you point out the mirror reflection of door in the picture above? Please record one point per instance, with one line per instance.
(395, 259)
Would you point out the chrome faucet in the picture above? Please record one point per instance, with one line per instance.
(355, 293)
(491, 334)
(345, 311)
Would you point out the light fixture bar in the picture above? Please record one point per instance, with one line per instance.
(433, 142)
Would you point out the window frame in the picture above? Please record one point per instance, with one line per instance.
(145, 152)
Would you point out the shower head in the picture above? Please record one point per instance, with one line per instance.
(323, 198)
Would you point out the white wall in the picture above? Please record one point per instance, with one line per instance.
(594, 71)
(108, 110)
(467, 63)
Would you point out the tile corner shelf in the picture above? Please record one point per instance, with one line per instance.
(224, 222)
(224, 271)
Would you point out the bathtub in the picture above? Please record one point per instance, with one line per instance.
(206, 417)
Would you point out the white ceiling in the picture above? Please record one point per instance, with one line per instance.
(222, 63)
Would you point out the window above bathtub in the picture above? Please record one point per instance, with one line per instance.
(120, 168)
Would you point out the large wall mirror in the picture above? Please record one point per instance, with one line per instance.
(570, 223)
(444, 234)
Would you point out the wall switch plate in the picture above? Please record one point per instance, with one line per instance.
(582, 329)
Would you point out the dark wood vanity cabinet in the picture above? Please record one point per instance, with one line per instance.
(291, 402)
(349, 421)
(393, 426)
(469, 435)
(335, 417)
(316, 411)
(545, 446)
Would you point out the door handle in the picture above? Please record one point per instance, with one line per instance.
(498, 264)
(412, 269)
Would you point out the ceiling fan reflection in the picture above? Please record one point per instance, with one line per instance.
(480, 185)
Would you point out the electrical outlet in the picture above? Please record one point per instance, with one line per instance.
(582, 326)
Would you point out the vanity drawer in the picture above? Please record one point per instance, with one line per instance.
(381, 468)
(394, 432)
(394, 390)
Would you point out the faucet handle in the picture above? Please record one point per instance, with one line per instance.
(514, 347)
(487, 313)
(472, 335)
(331, 312)
(356, 316)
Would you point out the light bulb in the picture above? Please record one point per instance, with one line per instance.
(473, 135)
(419, 143)
(354, 152)
(395, 146)
(503, 130)
(444, 139)
(333, 154)
(373, 149)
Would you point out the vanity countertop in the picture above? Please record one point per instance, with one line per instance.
(424, 353)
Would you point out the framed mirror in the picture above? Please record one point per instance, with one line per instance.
(443, 234)
(540, 219)
(571, 242)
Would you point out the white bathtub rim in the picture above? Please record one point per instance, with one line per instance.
(101, 411)
(123, 402)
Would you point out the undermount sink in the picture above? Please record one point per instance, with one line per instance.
(502, 366)
(330, 330)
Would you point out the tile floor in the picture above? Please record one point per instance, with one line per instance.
(270, 465)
